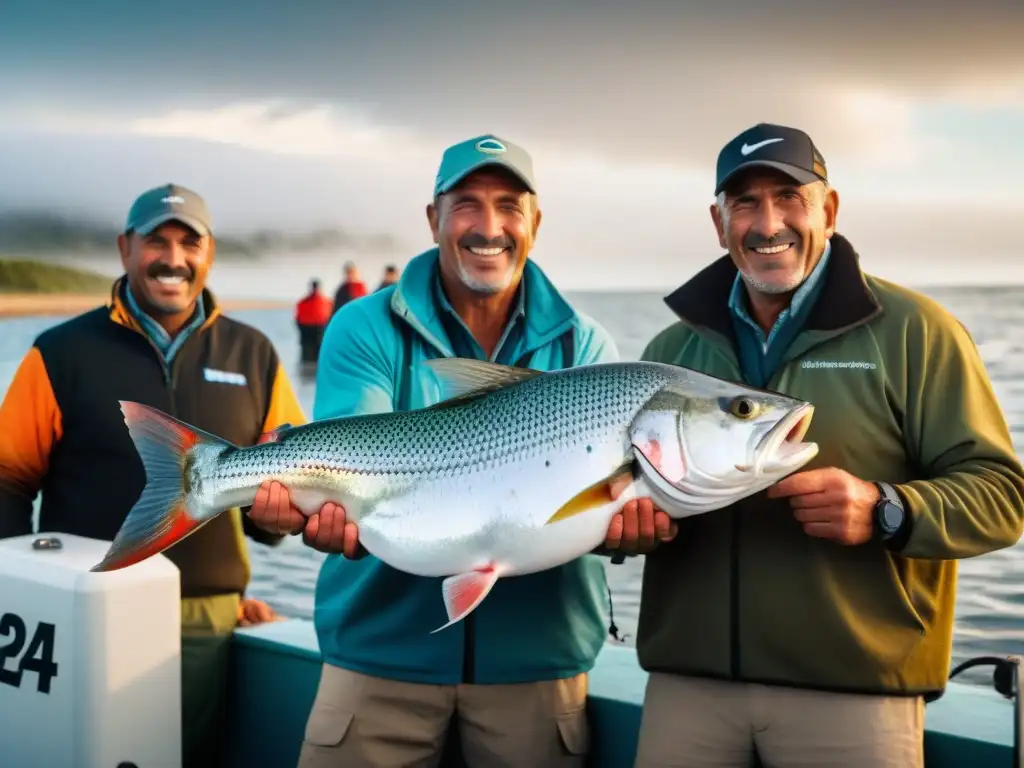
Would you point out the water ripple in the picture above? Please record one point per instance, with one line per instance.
(990, 601)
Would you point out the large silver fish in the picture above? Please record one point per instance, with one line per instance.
(508, 475)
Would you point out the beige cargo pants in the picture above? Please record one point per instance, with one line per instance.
(358, 721)
(695, 723)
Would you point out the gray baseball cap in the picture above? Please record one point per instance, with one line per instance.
(460, 160)
(170, 202)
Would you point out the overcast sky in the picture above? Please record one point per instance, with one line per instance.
(320, 115)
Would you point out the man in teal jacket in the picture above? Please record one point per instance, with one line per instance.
(515, 669)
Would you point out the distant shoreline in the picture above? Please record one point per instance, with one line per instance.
(18, 304)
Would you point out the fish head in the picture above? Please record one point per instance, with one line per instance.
(703, 443)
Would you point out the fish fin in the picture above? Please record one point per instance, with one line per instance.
(465, 591)
(464, 379)
(273, 435)
(307, 500)
(595, 495)
(160, 516)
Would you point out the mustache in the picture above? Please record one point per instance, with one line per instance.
(785, 237)
(476, 240)
(163, 270)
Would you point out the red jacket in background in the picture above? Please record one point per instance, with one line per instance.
(348, 291)
(315, 309)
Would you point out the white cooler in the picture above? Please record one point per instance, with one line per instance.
(90, 669)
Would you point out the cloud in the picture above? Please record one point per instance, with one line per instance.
(339, 115)
(875, 144)
(283, 128)
(646, 82)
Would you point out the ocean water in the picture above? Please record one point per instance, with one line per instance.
(990, 605)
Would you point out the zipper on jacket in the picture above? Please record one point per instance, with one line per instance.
(164, 368)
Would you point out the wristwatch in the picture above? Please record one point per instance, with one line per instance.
(888, 513)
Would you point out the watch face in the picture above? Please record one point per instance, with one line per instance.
(892, 516)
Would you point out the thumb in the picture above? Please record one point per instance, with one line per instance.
(673, 531)
(808, 481)
(618, 484)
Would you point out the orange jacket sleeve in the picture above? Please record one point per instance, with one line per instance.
(284, 405)
(30, 426)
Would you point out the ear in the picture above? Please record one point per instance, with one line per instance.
(212, 252)
(124, 248)
(434, 219)
(537, 216)
(718, 219)
(830, 205)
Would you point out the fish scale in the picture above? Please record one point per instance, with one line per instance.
(511, 473)
(551, 410)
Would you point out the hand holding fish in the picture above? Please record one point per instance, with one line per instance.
(514, 471)
(637, 529)
(325, 531)
(830, 503)
(640, 526)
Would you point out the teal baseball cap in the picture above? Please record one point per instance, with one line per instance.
(170, 202)
(460, 160)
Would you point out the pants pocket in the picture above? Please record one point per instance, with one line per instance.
(327, 726)
(574, 728)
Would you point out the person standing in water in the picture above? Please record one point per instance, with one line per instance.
(391, 275)
(352, 287)
(312, 314)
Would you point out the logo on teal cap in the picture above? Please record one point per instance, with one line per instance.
(491, 146)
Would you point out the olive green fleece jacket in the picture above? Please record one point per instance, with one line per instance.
(901, 395)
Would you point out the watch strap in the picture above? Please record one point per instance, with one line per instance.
(888, 536)
(889, 494)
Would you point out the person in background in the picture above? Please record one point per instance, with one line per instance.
(391, 275)
(513, 673)
(352, 287)
(312, 314)
(162, 341)
(810, 622)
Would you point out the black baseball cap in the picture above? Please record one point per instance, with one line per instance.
(771, 146)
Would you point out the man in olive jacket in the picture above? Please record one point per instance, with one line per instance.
(809, 622)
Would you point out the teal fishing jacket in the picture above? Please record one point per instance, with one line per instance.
(374, 619)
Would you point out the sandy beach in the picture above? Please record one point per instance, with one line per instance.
(64, 304)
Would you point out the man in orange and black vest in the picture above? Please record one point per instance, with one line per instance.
(163, 342)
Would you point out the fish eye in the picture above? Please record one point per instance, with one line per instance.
(744, 408)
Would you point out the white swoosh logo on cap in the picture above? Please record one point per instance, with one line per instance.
(746, 149)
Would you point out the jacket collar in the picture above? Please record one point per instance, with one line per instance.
(547, 314)
(122, 315)
(845, 300)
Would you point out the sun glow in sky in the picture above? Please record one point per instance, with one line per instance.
(337, 117)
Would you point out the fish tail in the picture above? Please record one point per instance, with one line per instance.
(161, 515)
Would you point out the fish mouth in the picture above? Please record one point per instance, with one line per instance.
(782, 448)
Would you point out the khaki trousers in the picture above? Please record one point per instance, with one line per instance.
(206, 627)
(358, 721)
(695, 723)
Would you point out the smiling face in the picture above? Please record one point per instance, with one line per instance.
(485, 228)
(166, 269)
(774, 228)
